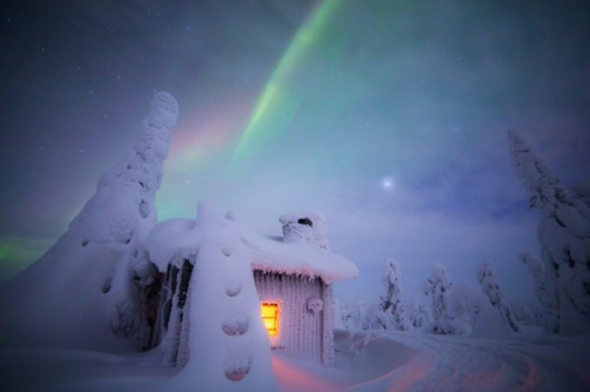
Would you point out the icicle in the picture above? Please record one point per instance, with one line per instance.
(183, 343)
(169, 342)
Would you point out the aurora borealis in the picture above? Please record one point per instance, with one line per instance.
(388, 117)
(273, 103)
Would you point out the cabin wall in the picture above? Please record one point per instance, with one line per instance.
(328, 354)
(171, 323)
(301, 332)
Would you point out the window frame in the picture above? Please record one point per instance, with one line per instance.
(272, 332)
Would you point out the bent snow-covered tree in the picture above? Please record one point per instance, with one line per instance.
(564, 234)
(391, 309)
(545, 291)
(486, 276)
(81, 293)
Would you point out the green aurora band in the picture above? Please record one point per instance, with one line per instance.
(17, 253)
(275, 106)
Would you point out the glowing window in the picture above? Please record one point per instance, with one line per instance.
(270, 317)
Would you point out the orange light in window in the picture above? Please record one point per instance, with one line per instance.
(270, 317)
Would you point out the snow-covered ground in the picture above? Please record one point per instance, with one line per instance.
(394, 361)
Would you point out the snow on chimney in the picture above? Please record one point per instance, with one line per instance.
(310, 229)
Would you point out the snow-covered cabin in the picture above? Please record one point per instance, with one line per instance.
(293, 275)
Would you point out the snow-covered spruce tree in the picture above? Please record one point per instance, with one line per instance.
(379, 319)
(391, 301)
(581, 192)
(545, 291)
(526, 314)
(536, 314)
(419, 314)
(342, 315)
(346, 316)
(360, 321)
(564, 234)
(521, 313)
(473, 314)
(437, 287)
(486, 277)
(80, 294)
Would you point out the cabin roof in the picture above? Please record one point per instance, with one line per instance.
(175, 240)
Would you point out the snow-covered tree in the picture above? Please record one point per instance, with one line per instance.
(526, 314)
(82, 290)
(379, 319)
(536, 315)
(564, 235)
(391, 301)
(473, 314)
(486, 276)
(520, 313)
(360, 321)
(419, 314)
(437, 287)
(581, 192)
(545, 291)
(342, 315)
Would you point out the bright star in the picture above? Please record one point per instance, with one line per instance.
(387, 183)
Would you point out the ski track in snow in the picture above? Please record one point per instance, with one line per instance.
(455, 363)
(397, 361)
(462, 366)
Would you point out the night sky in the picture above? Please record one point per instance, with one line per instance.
(388, 117)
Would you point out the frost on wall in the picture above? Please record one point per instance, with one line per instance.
(300, 329)
(81, 292)
(563, 232)
(328, 354)
(173, 320)
(486, 277)
(227, 345)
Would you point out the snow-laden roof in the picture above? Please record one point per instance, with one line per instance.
(174, 240)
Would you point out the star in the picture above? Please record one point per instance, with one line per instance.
(387, 183)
